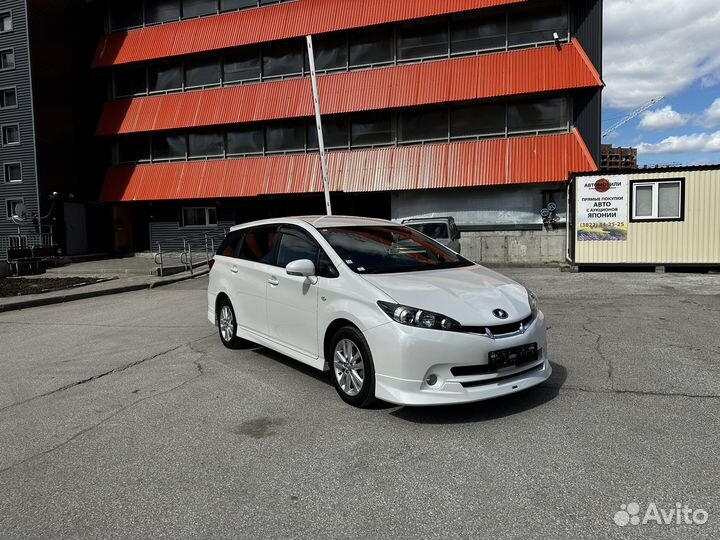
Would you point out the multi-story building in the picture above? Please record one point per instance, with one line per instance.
(615, 158)
(475, 108)
(49, 106)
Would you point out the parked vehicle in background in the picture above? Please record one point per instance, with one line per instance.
(440, 229)
(388, 311)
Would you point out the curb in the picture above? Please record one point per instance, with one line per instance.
(37, 302)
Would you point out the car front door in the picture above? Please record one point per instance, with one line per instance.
(292, 301)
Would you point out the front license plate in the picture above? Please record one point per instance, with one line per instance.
(517, 356)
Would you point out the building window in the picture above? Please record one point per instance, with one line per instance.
(8, 98)
(538, 115)
(372, 46)
(12, 172)
(164, 76)
(199, 217)
(285, 137)
(10, 134)
(231, 5)
(6, 21)
(206, 145)
(131, 81)
(478, 31)
(538, 23)
(658, 201)
(423, 39)
(242, 64)
(198, 8)
(202, 72)
(169, 146)
(331, 52)
(133, 149)
(7, 59)
(245, 140)
(335, 132)
(478, 120)
(372, 129)
(283, 58)
(126, 14)
(160, 11)
(11, 207)
(423, 125)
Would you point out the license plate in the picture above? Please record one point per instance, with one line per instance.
(517, 356)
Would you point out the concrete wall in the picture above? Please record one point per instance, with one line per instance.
(527, 247)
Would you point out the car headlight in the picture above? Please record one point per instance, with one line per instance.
(533, 301)
(420, 318)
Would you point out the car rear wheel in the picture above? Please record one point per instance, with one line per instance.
(227, 325)
(352, 368)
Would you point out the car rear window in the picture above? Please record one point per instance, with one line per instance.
(230, 246)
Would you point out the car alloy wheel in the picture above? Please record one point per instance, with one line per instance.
(226, 323)
(349, 367)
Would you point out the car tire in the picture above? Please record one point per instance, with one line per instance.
(346, 367)
(227, 325)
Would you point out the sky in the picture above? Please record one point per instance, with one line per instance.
(665, 48)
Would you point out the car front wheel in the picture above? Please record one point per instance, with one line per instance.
(353, 371)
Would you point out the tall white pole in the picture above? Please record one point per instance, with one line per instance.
(318, 124)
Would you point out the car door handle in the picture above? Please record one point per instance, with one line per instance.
(273, 281)
(234, 269)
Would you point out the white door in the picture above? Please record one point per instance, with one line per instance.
(292, 301)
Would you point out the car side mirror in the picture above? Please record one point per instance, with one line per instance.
(301, 267)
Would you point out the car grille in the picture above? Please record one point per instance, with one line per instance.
(500, 330)
(484, 382)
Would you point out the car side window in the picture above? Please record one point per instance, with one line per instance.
(231, 245)
(259, 245)
(294, 247)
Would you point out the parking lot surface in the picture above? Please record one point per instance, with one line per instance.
(124, 417)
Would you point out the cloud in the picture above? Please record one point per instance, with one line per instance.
(711, 116)
(663, 119)
(694, 142)
(658, 47)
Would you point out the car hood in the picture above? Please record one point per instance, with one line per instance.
(469, 295)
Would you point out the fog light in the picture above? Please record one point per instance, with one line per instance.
(431, 380)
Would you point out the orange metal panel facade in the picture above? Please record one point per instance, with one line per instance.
(489, 162)
(494, 75)
(270, 23)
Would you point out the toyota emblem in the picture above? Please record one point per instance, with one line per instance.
(501, 313)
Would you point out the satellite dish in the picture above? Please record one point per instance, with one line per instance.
(21, 212)
(552, 206)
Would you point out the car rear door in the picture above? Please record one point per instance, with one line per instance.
(251, 272)
(292, 301)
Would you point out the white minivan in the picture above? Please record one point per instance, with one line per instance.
(389, 312)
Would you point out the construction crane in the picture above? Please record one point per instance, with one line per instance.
(649, 105)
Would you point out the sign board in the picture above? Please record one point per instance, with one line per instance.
(602, 209)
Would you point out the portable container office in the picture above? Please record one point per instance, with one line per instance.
(653, 217)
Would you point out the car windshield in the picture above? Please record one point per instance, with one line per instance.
(436, 230)
(389, 249)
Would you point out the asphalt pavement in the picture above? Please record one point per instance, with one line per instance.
(124, 417)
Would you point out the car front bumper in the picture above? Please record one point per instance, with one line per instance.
(406, 356)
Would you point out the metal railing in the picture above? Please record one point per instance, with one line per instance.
(186, 255)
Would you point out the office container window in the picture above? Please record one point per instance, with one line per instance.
(372, 46)
(198, 8)
(7, 59)
(477, 120)
(6, 21)
(206, 144)
(538, 23)
(160, 11)
(423, 124)
(126, 14)
(478, 31)
(372, 129)
(169, 146)
(130, 81)
(331, 51)
(283, 58)
(165, 76)
(286, 137)
(335, 132)
(538, 115)
(199, 217)
(242, 65)
(134, 149)
(423, 39)
(10, 134)
(13, 172)
(8, 98)
(658, 201)
(245, 140)
(202, 72)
